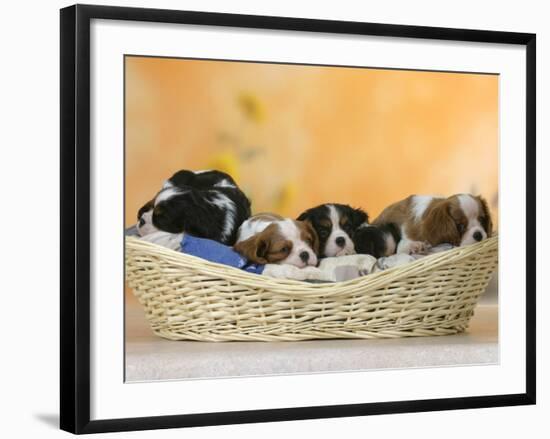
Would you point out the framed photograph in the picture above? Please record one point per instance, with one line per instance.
(274, 218)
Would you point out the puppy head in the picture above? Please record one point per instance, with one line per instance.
(459, 220)
(283, 242)
(335, 225)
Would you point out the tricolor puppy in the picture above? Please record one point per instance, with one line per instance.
(335, 225)
(425, 221)
(206, 204)
(271, 239)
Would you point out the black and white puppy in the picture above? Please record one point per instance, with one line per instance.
(335, 225)
(206, 204)
(376, 240)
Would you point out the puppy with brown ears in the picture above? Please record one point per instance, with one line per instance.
(425, 221)
(268, 238)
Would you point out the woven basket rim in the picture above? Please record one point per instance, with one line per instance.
(306, 288)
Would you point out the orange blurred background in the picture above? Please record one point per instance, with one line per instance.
(297, 136)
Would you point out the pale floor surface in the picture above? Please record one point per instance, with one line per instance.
(149, 357)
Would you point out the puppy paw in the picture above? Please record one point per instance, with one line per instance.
(366, 265)
(314, 273)
(416, 247)
(393, 261)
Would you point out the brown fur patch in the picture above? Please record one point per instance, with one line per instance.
(398, 213)
(440, 222)
(485, 215)
(308, 235)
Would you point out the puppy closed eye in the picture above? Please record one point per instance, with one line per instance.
(324, 232)
(348, 228)
(279, 249)
(460, 227)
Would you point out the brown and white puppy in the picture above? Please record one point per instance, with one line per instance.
(425, 220)
(271, 239)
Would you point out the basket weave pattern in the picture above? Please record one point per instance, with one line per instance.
(187, 298)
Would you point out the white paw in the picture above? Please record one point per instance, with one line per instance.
(366, 265)
(310, 273)
(393, 261)
(418, 247)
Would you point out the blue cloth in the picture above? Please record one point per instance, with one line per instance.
(216, 252)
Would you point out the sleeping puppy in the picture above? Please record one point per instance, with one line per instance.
(425, 221)
(268, 238)
(206, 204)
(376, 240)
(335, 225)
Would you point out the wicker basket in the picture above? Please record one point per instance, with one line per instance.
(187, 298)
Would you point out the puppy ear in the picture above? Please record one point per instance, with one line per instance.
(305, 216)
(488, 221)
(314, 236)
(359, 217)
(439, 226)
(254, 249)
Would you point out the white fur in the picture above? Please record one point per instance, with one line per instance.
(250, 228)
(330, 269)
(331, 248)
(225, 183)
(148, 226)
(391, 246)
(364, 263)
(168, 193)
(225, 203)
(470, 207)
(419, 205)
(393, 261)
(286, 271)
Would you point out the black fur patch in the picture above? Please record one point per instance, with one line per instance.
(371, 240)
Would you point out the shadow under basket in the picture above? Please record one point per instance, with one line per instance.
(188, 298)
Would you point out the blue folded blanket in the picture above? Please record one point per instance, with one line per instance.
(216, 252)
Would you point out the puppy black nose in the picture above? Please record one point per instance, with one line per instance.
(340, 241)
(304, 256)
(478, 236)
(141, 222)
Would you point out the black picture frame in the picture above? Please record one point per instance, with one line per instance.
(75, 217)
